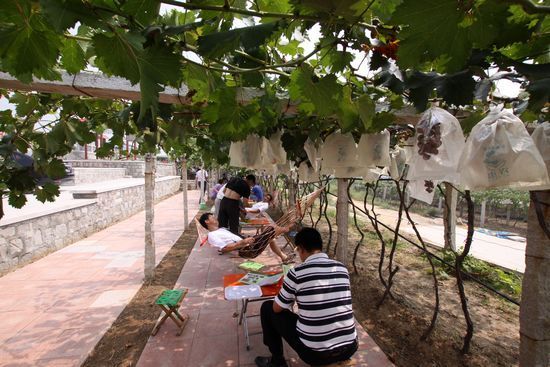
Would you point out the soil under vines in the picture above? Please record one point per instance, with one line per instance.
(397, 326)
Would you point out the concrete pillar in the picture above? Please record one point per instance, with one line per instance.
(534, 315)
(449, 217)
(149, 216)
(482, 216)
(342, 215)
(184, 191)
(440, 203)
(508, 209)
(384, 192)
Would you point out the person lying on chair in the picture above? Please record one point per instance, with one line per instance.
(258, 208)
(227, 241)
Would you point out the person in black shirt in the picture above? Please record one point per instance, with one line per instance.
(228, 215)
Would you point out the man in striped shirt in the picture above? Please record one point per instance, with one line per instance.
(323, 331)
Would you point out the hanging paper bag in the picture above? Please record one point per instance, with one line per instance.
(313, 154)
(541, 137)
(422, 190)
(339, 150)
(374, 150)
(500, 153)
(439, 144)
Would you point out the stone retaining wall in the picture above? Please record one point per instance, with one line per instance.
(31, 239)
(91, 175)
(133, 168)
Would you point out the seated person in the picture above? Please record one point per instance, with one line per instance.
(259, 207)
(257, 194)
(323, 331)
(227, 241)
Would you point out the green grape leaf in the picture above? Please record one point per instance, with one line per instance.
(316, 95)
(469, 122)
(539, 94)
(17, 199)
(72, 56)
(117, 54)
(145, 11)
(366, 106)
(337, 61)
(47, 193)
(457, 89)
(63, 14)
(29, 47)
(433, 31)
(347, 111)
(381, 121)
(218, 44)
(420, 87)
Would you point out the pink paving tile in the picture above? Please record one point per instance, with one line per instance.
(71, 343)
(58, 362)
(223, 354)
(216, 322)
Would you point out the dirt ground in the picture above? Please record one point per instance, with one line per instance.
(123, 343)
(399, 323)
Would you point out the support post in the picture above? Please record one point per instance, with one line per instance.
(342, 210)
(149, 267)
(184, 191)
(534, 313)
(449, 217)
(482, 216)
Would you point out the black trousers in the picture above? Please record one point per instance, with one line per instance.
(228, 215)
(276, 326)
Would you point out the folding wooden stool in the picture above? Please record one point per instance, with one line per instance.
(169, 301)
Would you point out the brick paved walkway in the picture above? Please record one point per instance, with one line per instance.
(212, 337)
(56, 309)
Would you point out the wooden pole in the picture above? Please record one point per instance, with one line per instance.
(449, 217)
(149, 216)
(184, 190)
(534, 314)
(482, 216)
(342, 210)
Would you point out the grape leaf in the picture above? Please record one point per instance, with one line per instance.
(366, 106)
(145, 11)
(347, 113)
(17, 199)
(29, 47)
(63, 14)
(432, 32)
(316, 95)
(72, 56)
(218, 44)
(457, 89)
(48, 192)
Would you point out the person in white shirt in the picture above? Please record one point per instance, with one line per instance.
(201, 176)
(218, 200)
(259, 207)
(227, 241)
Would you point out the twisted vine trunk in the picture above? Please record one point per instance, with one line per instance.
(392, 270)
(434, 277)
(353, 206)
(149, 267)
(342, 210)
(458, 273)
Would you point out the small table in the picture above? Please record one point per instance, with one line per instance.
(268, 292)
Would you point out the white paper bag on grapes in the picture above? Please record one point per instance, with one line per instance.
(397, 162)
(313, 154)
(307, 173)
(422, 190)
(339, 150)
(439, 142)
(373, 174)
(541, 138)
(246, 153)
(374, 150)
(349, 172)
(500, 153)
(273, 148)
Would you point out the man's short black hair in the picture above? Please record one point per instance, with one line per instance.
(309, 239)
(204, 218)
(251, 178)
